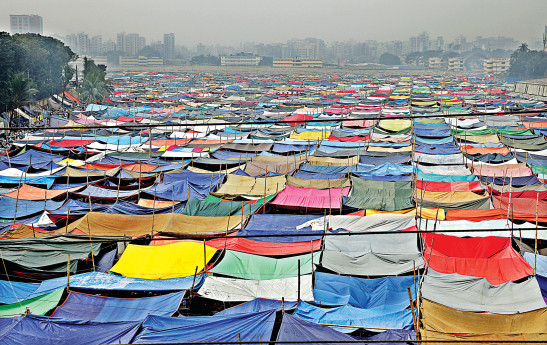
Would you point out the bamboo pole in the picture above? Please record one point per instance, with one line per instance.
(536, 238)
(413, 314)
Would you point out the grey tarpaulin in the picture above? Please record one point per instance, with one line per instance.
(476, 294)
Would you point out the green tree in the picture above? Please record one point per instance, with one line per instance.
(95, 88)
(389, 59)
(20, 90)
(526, 63)
(148, 51)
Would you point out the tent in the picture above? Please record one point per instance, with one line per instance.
(213, 329)
(81, 306)
(161, 262)
(490, 257)
(333, 290)
(392, 317)
(379, 195)
(240, 290)
(249, 266)
(41, 330)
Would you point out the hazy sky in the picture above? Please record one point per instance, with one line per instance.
(231, 22)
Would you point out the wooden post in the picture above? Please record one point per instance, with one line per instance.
(66, 223)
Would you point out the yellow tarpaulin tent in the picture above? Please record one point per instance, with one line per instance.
(162, 262)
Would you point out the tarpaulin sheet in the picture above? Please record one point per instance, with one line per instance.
(214, 329)
(431, 132)
(258, 305)
(39, 305)
(433, 186)
(379, 195)
(390, 317)
(511, 181)
(248, 147)
(310, 197)
(42, 330)
(26, 192)
(49, 254)
(34, 158)
(25, 208)
(97, 223)
(438, 318)
(95, 192)
(387, 169)
(372, 255)
(318, 183)
(445, 178)
(442, 149)
(203, 208)
(374, 222)
(515, 170)
(542, 281)
(261, 167)
(81, 306)
(161, 262)
(532, 144)
(295, 329)
(237, 185)
(459, 170)
(490, 257)
(382, 160)
(529, 206)
(257, 267)
(333, 290)
(240, 290)
(453, 200)
(540, 262)
(473, 150)
(438, 159)
(45, 180)
(531, 159)
(478, 295)
(269, 248)
(328, 161)
(284, 226)
(110, 282)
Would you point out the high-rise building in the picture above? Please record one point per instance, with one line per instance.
(169, 46)
(545, 39)
(96, 46)
(130, 43)
(22, 24)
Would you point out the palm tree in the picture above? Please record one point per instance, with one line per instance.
(20, 89)
(95, 88)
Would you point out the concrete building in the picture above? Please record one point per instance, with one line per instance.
(495, 65)
(297, 62)
(169, 46)
(96, 46)
(455, 64)
(436, 63)
(130, 43)
(23, 23)
(141, 61)
(241, 59)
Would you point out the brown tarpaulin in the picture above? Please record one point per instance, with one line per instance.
(237, 185)
(98, 223)
(440, 319)
(318, 183)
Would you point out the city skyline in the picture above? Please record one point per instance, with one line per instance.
(232, 23)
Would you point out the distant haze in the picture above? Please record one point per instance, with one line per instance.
(229, 22)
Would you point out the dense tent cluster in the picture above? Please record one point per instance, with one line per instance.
(252, 208)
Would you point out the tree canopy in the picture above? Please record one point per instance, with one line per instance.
(40, 59)
(526, 63)
(389, 59)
